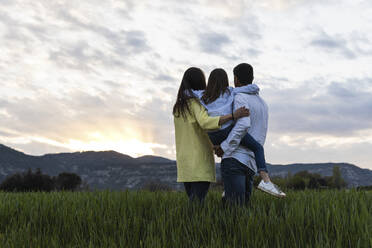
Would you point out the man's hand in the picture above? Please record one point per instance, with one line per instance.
(218, 151)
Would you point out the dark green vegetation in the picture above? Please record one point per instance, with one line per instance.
(306, 180)
(328, 218)
(364, 188)
(37, 181)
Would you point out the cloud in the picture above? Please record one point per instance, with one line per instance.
(213, 42)
(38, 148)
(253, 52)
(330, 44)
(164, 77)
(80, 114)
(74, 72)
(6, 134)
(63, 117)
(123, 43)
(339, 108)
(226, 9)
(6, 2)
(306, 149)
(73, 42)
(351, 47)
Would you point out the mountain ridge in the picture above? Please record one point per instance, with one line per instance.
(117, 171)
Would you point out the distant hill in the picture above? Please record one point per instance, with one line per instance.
(113, 170)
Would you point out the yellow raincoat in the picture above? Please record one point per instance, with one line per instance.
(195, 159)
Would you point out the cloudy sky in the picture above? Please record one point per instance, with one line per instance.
(103, 75)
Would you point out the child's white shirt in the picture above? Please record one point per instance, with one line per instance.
(223, 105)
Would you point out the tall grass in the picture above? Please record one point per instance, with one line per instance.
(166, 219)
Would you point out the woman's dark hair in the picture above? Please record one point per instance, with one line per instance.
(244, 73)
(193, 79)
(218, 83)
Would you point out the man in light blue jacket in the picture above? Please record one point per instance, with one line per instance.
(238, 165)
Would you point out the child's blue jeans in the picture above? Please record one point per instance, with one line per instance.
(217, 137)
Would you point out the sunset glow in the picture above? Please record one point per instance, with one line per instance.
(103, 75)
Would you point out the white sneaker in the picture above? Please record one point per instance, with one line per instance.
(223, 194)
(271, 188)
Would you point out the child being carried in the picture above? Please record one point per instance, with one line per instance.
(218, 99)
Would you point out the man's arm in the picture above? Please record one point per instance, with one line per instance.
(240, 128)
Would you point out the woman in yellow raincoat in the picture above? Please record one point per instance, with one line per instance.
(194, 151)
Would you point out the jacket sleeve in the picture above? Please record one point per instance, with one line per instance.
(205, 121)
(239, 130)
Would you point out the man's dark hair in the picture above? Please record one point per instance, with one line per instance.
(244, 73)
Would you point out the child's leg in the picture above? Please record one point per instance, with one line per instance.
(258, 150)
(217, 137)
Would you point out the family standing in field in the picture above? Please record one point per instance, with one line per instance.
(232, 122)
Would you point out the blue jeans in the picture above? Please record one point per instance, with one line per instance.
(196, 190)
(237, 180)
(217, 137)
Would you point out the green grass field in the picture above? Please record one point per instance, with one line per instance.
(165, 219)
